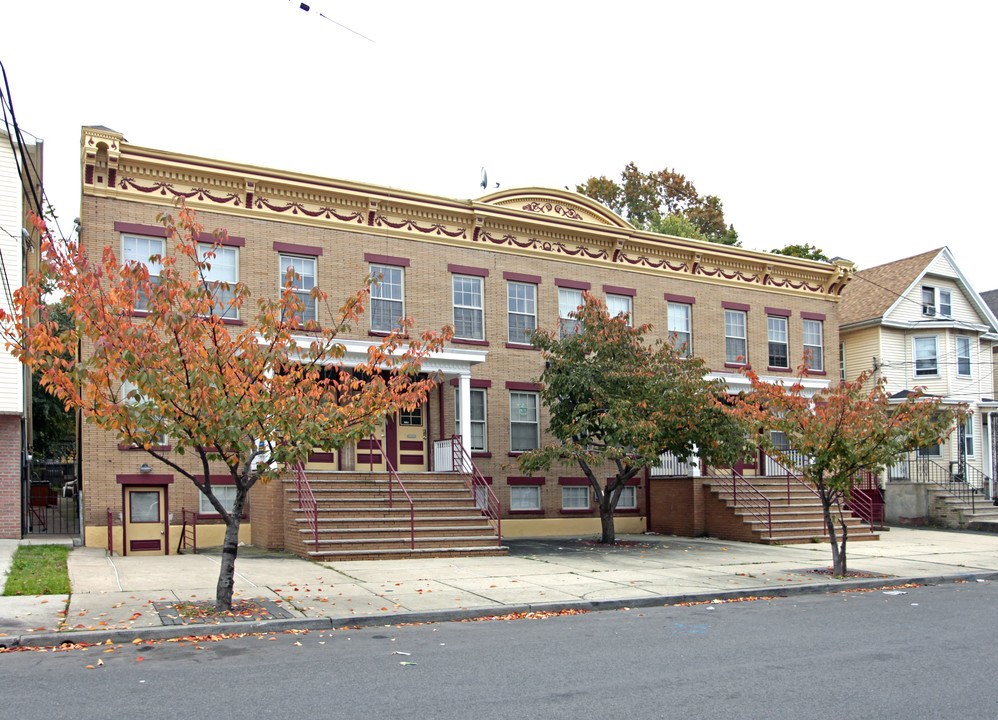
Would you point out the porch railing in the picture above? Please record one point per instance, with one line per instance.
(392, 479)
(189, 530)
(744, 495)
(306, 501)
(865, 500)
(670, 466)
(967, 483)
(485, 499)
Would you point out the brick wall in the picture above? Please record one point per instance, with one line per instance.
(10, 476)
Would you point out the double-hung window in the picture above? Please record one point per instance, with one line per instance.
(575, 497)
(963, 356)
(524, 428)
(926, 356)
(220, 276)
(479, 437)
(628, 498)
(619, 305)
(814, 344)
(779, 349)
(524, 497)
(569, 300)
(936, 301)
(387, 297)
(301, 283)
(226, 494)
(469, 313)
(142, 250)
(522, 311)
(735, 337)
(842, 361)
(681, 327)
(968, 436)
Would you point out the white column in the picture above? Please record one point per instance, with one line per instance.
(694, 462)
(464, 393)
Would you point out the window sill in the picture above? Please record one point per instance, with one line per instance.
(232, 321)
(518, 453)
(774, 368)
(381, 333)
(520, 346)
(468, 341)
(526, 512)
(481, 454)
(735, 365)
(569, 511)
(620, 510)
(818, 373)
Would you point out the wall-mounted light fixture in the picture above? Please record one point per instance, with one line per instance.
(145, 468)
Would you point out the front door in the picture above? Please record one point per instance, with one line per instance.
(371, 450)
(410, 440)
(145, 520)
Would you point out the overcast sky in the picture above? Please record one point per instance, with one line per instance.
(865, 128)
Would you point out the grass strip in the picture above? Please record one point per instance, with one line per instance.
(38, 570)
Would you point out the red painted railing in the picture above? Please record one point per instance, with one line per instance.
(394, 478)
(865, 500)
(189, 530)
(110, 533)
(485, 499)
(306, 501)
(745, 495)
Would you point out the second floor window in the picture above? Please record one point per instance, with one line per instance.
(814, 344)
(524, 429)
(963, 356)
(569, 301)
(779, 355)
(221, 277)
(387, 297)
(926, 356)
(522, 311)
(619, 305)
(681, 327)
(141, 250)
(735, 337)
(302, 283)
(469, 315)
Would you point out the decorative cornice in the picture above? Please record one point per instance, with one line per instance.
(532, 222)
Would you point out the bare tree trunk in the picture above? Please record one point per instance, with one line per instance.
(606, 522)
(838, 556)
(230, 547)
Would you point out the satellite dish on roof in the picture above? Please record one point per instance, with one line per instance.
(485, 179)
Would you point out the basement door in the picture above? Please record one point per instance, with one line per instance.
(145, 520)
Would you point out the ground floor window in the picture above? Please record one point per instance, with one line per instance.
(226, 495)
(575, 497)
(525, 497)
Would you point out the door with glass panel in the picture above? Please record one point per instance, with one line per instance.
(145, 520)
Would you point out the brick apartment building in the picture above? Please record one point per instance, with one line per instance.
(512, 260)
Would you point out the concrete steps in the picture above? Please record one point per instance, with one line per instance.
(355, 521)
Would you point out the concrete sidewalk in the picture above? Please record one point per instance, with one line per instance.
(113, 598)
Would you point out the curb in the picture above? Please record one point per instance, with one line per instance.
(96, 637)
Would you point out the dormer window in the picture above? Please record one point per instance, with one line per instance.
(936, 301)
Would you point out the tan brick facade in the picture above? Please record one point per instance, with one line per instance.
(550, 236)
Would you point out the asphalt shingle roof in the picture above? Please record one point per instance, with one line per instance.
(872, 291)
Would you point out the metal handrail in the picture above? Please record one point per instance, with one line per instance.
(752, 498)
(926, 470)
(393, 476)
(306, 501)
(473, 480)
(864, 500)
(110, 533)
(189, 531)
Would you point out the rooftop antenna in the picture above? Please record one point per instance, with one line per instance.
(306, 8)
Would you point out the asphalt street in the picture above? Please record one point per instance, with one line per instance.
(919, 652)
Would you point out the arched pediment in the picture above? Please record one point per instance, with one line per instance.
(562, 204)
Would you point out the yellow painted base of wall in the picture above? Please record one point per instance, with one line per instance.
(570, 526)
(208, 536)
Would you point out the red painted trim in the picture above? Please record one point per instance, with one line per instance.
(617, 290)
(475, 382)
(468, 270)
(526, 512)
(522, 277)
(143, 479)
(782, 312)
(573, 284)
(440, 410)
(579, 511)
(297, 249)
(632, 481)
(735, 365)
(377, 333)
(145, 545)
(392, 441)
(812, 316)
(487, 479)
(386, 259)
(778, 369)
(685, 299)
(527, 386)
(410, 460)
(744, 307)
(574, 481)
(475, 454)
(525, 481)
(218, 479)
(160, 232)
(232, 321)
(320, 457)
(816, 372)
(463, 341)
(518, 346)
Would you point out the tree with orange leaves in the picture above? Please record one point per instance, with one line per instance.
(251, 401)
(840, 432)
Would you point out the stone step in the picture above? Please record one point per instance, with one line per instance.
(375, 521)
(389, 543)
(432, 531)
(402, 554)
(421, 511)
